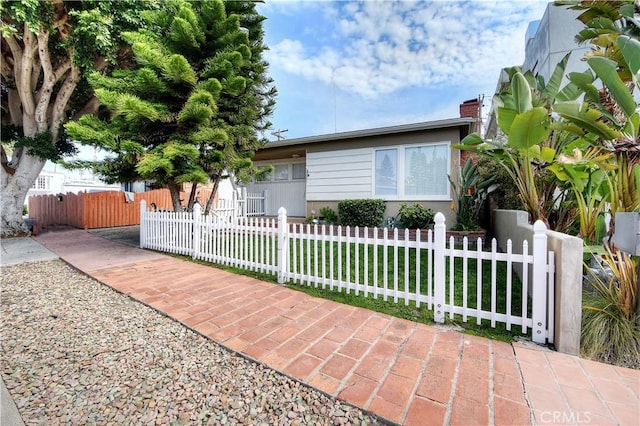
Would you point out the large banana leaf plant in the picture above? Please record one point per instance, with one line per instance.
(608, 119)
(595, 116)
(524, 116)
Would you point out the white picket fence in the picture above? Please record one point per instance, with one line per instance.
(253, 204)
(248, 204)
(394, 265)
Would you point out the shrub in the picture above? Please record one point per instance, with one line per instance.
(610, 325)
(25, 210)
(506, 195)
(365, 212)
(328, 215)
(415, 216)
(470, 192)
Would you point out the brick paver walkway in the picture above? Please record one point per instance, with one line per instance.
(405, 372)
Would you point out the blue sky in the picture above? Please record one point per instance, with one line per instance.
(347, 65)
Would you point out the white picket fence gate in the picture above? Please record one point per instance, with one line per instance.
(248, 204)
(398, 265)
(254, 204)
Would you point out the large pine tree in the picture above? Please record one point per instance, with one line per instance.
(190, 107)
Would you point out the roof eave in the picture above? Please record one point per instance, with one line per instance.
(404, 128)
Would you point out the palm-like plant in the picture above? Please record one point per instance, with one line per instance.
(524, 116)
(609, 119)
(470, 191)
(611, 326)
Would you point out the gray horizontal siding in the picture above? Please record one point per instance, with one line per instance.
(339, 175)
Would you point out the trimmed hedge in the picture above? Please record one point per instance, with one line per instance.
(365, 212)
(415, 216)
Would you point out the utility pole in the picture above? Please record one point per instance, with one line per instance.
(278, 134)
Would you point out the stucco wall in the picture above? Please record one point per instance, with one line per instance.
(514, 225)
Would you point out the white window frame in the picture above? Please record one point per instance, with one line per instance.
(400, 173)
(41, 183)
(271, 177)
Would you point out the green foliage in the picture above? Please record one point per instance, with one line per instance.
(590, 144)
(610, 324)
(506, 194)
(524, 118)
(415, 216)
(198, 84)
(177, 70)
(364, 212)
(328, 215)
(470, 191)
(42, 146)
(25, 210)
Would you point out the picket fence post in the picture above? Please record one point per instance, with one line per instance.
(539, 308)
(197, 217)
(245, 201)
(283, 246)
(439, 238)
(265, 201)
(143, 223)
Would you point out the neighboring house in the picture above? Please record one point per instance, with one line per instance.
(547, 41)
(551, 38)
(46, 183)
(49, 183)
(406, 163)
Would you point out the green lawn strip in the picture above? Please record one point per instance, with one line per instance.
(400, 309)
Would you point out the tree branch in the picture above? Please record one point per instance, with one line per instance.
(89, 108)
(5, 161)
(62, 99)
(24, 83)
(16, 51)
(15, 112)
(46, 90)
(5, 68)
(62, 69)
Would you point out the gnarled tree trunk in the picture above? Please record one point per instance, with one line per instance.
(39, 91)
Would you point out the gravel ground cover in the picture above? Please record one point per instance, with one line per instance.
(76, 352)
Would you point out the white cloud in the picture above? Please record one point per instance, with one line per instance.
(378, 47)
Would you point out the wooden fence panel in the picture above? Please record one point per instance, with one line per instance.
(100, 209)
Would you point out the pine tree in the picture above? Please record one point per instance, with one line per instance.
(172, 117)
(244, 113)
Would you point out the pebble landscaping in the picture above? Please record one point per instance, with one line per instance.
(77, 352)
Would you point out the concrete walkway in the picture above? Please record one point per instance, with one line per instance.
(405, 372)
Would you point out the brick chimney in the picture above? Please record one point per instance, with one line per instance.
(470, 108)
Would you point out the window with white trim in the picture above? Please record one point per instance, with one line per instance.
(386, 171)
(285, 172)
(412, 172)
(299, 171)
(40, 183)
(281, 172)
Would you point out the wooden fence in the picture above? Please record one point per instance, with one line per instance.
(424, 269)
(99, 209)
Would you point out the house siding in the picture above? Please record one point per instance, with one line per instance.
(289, 194)
(339, 175)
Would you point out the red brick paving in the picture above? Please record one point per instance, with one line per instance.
(406, 372)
